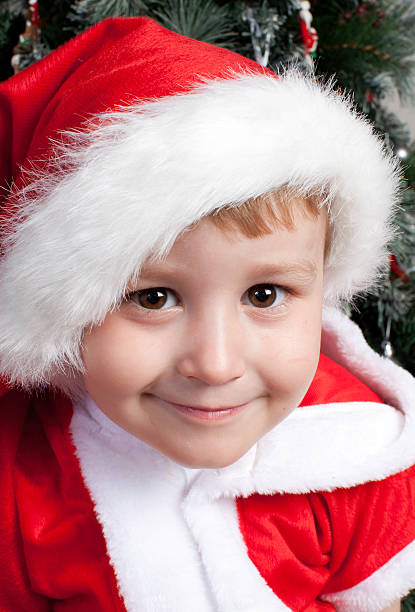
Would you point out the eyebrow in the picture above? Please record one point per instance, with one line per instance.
(302, 270)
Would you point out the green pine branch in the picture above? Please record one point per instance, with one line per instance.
(87, 12)
(372, 50)
(203, 20)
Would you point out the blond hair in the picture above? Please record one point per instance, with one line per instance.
(260, 215)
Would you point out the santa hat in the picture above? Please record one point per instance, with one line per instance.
(117, 141)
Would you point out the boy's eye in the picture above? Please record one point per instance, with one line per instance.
(155, 298)
(158, 298)
(264, 296)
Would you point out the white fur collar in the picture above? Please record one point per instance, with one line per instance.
(171, 550)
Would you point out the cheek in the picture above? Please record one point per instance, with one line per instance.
(294, 356)
(117, 358)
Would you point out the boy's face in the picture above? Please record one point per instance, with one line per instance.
(217, 345)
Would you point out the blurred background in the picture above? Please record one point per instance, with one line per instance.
(369, 47)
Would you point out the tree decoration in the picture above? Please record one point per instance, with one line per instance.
(263, 24)
(308, 33)
(30, 47)
(396, 270)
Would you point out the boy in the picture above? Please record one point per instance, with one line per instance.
(165, 267)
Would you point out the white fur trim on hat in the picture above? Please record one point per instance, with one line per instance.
(130, 186)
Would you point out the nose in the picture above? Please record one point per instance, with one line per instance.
(213, 349)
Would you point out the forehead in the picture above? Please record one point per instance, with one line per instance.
(206, 249)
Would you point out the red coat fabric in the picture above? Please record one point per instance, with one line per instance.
(54, 556)
(327, 541)
(53, 550)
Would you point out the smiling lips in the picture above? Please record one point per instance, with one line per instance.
(208, 414)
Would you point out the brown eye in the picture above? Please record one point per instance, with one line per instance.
(155, 298)
(264, 296)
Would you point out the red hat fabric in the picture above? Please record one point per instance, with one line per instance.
(128, 134)
(113, 63)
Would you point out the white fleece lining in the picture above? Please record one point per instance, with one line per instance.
(238, 585)
(137, 494)
(335, 445)
(211, 558)
(343, 342)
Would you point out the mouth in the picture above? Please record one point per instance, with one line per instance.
(206, 413)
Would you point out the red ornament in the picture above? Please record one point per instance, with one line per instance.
(361, 10)
(309, 36)
(34, 12)
(308, 33)
(396, 270)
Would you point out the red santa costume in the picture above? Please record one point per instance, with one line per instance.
(319, 514)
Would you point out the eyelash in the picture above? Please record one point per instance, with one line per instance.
(258, 287)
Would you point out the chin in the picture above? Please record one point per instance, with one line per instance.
(210, 460)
